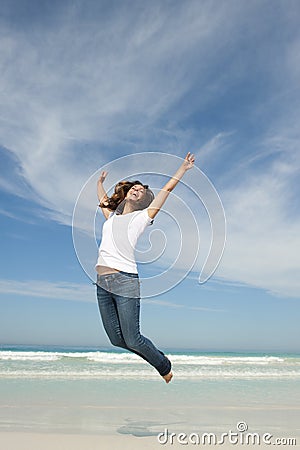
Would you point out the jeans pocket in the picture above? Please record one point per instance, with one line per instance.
(126, 286)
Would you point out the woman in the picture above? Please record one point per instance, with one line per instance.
(128, 211)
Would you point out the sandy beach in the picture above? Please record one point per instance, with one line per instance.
(64, 441)
(132, 429)
(36, 441)
(101, 400)
(46, 441)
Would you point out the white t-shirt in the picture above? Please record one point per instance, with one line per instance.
(120, 233)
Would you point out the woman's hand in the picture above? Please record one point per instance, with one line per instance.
(102, 177)
(188, 162)
(102, 195)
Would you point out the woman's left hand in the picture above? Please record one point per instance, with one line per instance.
(102, 177)
(188, 162)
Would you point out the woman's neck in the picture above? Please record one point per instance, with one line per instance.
(127, 209)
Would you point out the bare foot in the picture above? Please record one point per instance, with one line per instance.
(168, 377)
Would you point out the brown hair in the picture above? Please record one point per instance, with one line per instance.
(120, 193)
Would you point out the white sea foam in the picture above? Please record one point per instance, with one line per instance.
(111, 357)
(28, 356)
(221, 360)
(125, 365)
(145, 374)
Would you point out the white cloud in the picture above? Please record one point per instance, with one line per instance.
(71, 292)
(71, 92)
(82, 92)
(263, 235)
(46, 289)
(212, 148)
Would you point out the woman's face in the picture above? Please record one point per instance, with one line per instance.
(136, 192)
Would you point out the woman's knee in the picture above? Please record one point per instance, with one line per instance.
(134, 342)
(117, 342)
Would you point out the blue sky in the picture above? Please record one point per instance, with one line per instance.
(84, 83)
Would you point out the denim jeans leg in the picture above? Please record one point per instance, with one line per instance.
(109, 316)
(129, 313)
(119, 305)
(110, 319)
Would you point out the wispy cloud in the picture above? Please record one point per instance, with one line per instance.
(211, 149)
(178, 305)
(9, 214)
(93, 85)
(263, 225)
(72, 292)
(72, 97)
(46, 289)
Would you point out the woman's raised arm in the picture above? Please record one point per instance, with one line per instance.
(102, 195)
(162, 196)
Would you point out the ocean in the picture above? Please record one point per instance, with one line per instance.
(91, 390)
(65, 363)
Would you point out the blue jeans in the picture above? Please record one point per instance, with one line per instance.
(118, 296)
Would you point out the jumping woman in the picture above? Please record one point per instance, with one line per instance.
(128, 212)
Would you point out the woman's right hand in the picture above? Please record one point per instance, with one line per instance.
(188, 162)
(102, 177)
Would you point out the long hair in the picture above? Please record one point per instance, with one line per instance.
(117, 201)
